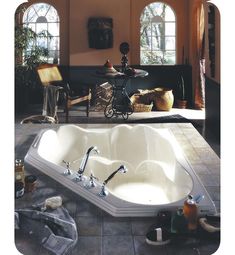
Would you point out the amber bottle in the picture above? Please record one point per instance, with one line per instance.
(19, 171)
(191, 213)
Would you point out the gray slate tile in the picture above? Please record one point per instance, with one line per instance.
(89, 226)
(116, 226)
(87, 245)
(142, 248)
(118, 245)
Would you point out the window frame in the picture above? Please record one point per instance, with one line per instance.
(27, 22)
(151, 49)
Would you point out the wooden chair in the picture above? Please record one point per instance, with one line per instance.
(50, 75)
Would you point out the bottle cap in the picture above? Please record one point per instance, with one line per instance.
(190, 200)
(180, 211)
(190, 196)
(18, 162)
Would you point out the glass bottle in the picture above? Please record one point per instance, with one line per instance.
(19, 171)
(178, 222)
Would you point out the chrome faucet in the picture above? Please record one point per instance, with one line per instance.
(67, 171)
(83, 164)
(104, 192)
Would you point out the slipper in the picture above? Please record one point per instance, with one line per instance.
(208, 226)
(158, 236)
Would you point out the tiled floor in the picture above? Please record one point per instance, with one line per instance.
(102, 234)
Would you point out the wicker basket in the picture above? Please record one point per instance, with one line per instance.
(142, 107)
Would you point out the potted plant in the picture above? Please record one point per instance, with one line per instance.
(27, 57)
(181, 100)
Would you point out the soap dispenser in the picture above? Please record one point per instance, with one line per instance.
(191, 212)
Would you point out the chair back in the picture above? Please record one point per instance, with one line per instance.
(49, 73)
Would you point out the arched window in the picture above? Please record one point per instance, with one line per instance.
(157, 35)
(43, 19)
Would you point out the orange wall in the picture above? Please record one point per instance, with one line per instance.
(80, 11)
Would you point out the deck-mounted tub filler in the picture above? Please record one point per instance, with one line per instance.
(125, 170)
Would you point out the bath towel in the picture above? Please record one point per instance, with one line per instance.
(54, 229)
(50, 99)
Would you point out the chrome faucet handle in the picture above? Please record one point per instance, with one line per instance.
(91, 183)
(92, 178)
(67, 164)
(103, 192)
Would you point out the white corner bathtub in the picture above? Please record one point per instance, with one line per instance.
(158, 177)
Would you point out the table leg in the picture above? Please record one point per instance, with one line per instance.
(119, 105)
(109, 111)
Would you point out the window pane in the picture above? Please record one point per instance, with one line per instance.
(44, 59)
(169, 14)
(40, 27)
(42, 42)
(56, 57)
(49, 60)
(157, 8)
(53, 43)
(52, 15)
(149, 30)
(170, 29)
(145, 17)
(152, 58)
(53, 29)
(156, 43)
(53, 56)
(30, 15)
(170, 43)
(157, 29)
(169, 57)
(158, 57)
(31, 44)
(41, 9)
(32, 26)
(145, 57)
(145, 42)
(159, 43)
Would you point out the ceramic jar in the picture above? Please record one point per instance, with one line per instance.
(164, 99)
